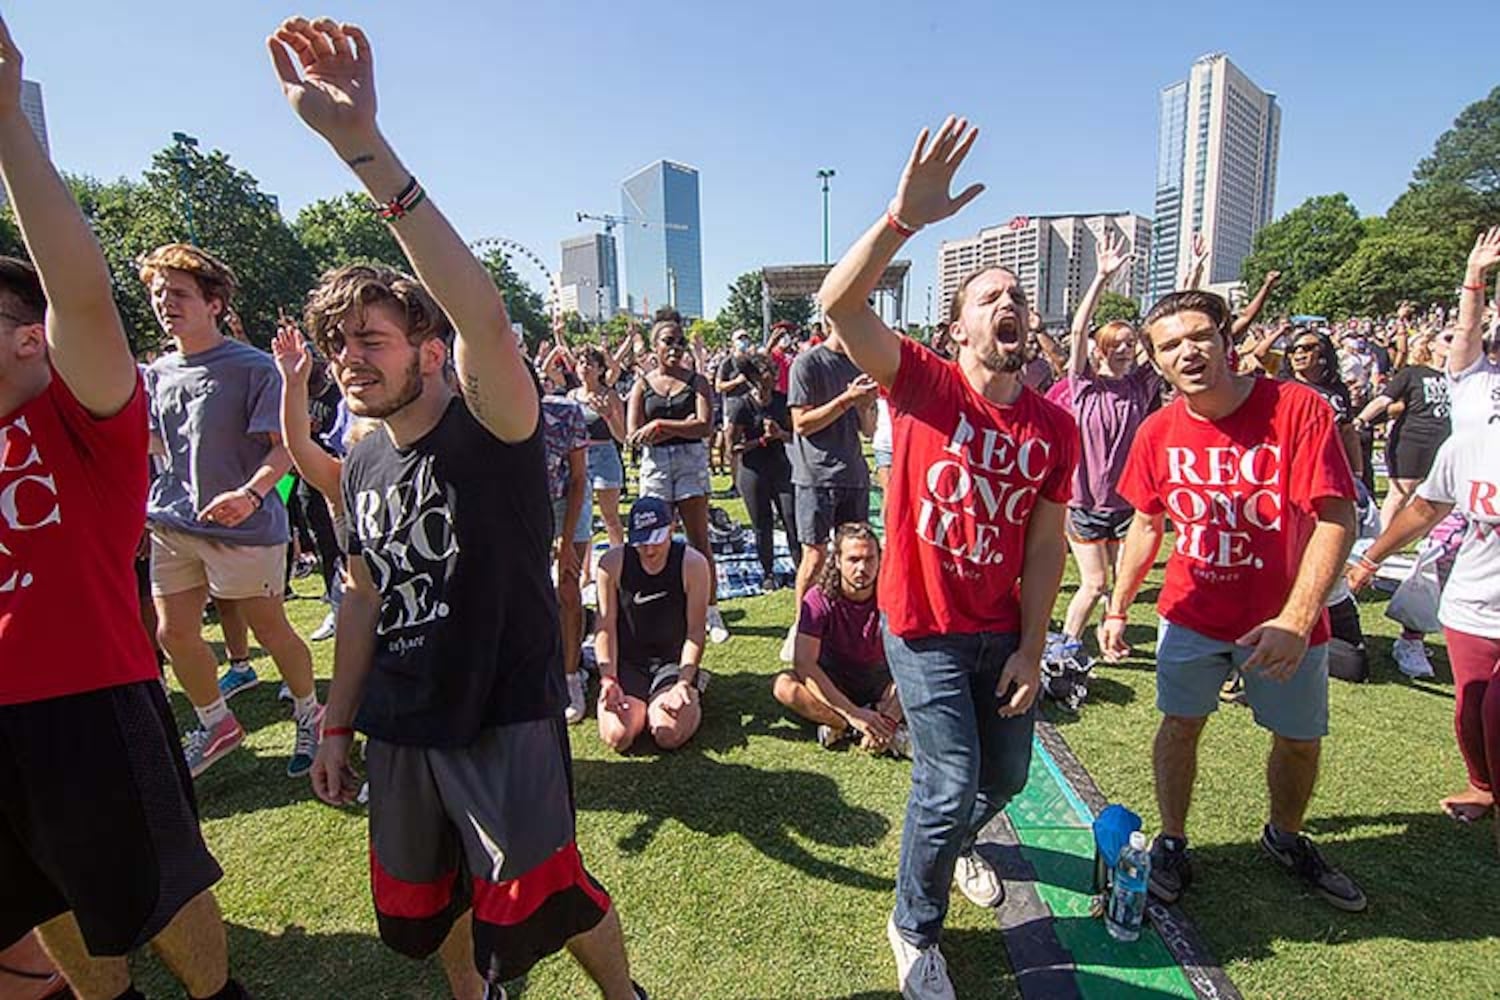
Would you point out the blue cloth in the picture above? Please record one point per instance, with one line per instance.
(967, 763)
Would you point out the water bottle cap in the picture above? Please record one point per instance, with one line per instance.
(1138, 841)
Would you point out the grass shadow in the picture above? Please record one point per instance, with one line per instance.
(714, 799)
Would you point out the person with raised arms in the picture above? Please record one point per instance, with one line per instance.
(981, 473)
(448, 653)
(99, 841)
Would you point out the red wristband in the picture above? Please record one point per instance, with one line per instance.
(1474, 288)
(1115, 618)
(907, 232)
(337, 731)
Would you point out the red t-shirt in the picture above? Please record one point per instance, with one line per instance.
(965, 474)
(1240, 492)
(72, 509)
(783, 368)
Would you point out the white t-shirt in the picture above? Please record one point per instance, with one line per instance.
(1466, 473)
(1475, 395)
(883, 441)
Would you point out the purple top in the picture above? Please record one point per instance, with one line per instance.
(850, 631)
(1109, 412)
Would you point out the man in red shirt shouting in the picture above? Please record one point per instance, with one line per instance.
(99, 840)
(1255, 480)
(981, 472)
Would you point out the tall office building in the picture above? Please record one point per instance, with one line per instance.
(662, 242)
(590, 271)
(1053, 255)
(36, 114)
(1218, 139)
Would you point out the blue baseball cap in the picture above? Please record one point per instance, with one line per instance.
(650, 521)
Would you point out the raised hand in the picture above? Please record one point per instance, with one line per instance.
(1486, 252)
(1112, 255)
(291, 356)
(10, 72)
(334, 91)
(1200, 249)
(923, 195)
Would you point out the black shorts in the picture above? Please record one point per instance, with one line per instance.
(864, 686)
(97, 816)
(488, 827)
(1411, 457)
(821, 509)
(1093, 526)
(646, 681)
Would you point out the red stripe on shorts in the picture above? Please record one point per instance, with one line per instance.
(396, 897)
(512, 901)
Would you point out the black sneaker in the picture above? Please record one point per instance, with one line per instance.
(1171, 871)
(1303, 860)
(640, 994)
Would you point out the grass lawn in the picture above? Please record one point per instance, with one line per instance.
(754, 864)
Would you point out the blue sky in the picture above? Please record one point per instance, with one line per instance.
(515, 116)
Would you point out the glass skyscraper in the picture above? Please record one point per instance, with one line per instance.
(663, 257)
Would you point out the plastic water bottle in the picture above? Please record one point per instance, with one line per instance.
(1127, 899)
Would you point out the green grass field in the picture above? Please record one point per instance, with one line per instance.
(754, 864)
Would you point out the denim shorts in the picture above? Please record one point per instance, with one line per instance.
(585, 530)
(1191, 668)
(674, 472)
(605, 469)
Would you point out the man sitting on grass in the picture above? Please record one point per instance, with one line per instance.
(653, 613)
(839, 678)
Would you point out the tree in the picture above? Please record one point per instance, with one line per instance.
(1455, 192)
(1396, 264)
(527, 308)
(342, 230)
(1311, 241)
(1114, 306)
(743, 309)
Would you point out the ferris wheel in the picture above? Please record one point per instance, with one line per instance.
(522, 256)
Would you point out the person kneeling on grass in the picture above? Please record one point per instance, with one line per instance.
(839, 678)
(653, 610)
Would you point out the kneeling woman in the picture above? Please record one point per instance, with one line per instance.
(653, 605)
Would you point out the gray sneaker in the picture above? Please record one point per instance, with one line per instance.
(1302, 859)
(309, 731)
(922, 972)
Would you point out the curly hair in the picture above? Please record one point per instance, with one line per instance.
(353, 288)
(831, 583)
(215, 279)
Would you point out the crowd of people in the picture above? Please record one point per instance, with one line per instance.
(447, 482)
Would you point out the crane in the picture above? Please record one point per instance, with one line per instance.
(611, 221)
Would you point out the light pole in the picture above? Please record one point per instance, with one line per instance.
(182, 156)
(824, 175)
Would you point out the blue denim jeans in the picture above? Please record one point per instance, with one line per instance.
(967, 763)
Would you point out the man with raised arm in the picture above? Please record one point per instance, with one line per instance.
(99, 840)
(979, 484)
(448, 651)
(1260, 493)
(1473, 376)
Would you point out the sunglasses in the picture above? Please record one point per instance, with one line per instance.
(1302, 348)
(671, 342)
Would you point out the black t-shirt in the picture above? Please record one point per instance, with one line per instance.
(747, 414)
(728, 369)
(323, 413)
(1338, 397)
(1424, 390)
(456, 530)
(652, 609)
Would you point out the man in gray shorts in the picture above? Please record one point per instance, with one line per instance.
(1261, 497)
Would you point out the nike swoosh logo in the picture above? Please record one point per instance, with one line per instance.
(648, 598)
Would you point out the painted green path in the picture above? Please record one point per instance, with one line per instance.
(1056, 947)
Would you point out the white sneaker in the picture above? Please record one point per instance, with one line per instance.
(901, 742)
(1411, 658)
(716, 630)
(576, 709)
(325, 630)
(922, 972)
(978, 880)
(789, 645)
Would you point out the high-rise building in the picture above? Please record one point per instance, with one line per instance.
(662, 242)
(36, 114)
(1053, 255)
(1218, 139)
(590, 270)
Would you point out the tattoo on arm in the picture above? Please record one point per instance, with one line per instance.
(361, 158)
(473, 398)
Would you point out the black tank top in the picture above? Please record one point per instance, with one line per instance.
(681, 405)
(653, 609)
(598, 427)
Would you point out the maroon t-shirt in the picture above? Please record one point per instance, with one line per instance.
(849, 630)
